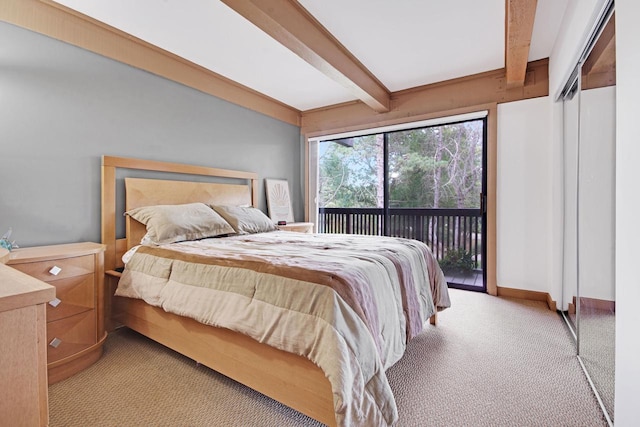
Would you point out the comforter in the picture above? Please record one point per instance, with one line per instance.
(348, 303)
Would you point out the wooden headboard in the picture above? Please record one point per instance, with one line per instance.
(147, 192)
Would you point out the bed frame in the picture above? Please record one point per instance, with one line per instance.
(288, 378)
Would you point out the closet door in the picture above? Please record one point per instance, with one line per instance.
(596, 215)
(571, 112)
(588, 299)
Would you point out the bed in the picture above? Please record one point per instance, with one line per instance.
(292, 324)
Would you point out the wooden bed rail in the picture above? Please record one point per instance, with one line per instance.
(286, 377)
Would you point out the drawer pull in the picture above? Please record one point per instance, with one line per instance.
(54, 302)
(55, 270)
(55, 342)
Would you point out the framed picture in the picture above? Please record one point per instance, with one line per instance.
(278, 200)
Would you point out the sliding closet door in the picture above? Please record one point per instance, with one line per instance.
(571, 112)
(596, 216)
(589, 209)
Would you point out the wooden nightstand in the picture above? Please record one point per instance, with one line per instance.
(75, 319)
(298, 227)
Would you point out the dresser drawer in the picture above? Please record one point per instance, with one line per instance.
(72, 334)
(69, 267)
(75, 295)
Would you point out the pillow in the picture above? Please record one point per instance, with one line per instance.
(246, 219)
(175, 223)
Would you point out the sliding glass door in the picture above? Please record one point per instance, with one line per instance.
(426, 183)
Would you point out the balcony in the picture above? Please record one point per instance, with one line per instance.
(454, 235)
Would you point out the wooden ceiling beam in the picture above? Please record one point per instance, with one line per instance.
(295, 28)
(520, 15)
(432, 100)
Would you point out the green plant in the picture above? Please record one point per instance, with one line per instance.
(458, 259)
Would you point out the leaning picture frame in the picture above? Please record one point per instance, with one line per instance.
(278, 200)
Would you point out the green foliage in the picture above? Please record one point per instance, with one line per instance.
(435, 167)
(349, 176)
(458, 260)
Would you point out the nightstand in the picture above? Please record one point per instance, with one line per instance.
(298, 227)
(75, 318)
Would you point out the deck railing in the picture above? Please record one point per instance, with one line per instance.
(441, 229)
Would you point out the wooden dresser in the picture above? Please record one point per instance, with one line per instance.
(23, 358)
(75, 319)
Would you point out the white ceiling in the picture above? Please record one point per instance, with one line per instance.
(404, 43)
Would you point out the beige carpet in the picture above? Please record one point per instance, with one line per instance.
(597, 349)
(489, 362)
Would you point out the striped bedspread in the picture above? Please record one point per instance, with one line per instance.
(348, 303)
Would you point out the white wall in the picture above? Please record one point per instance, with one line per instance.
(627, 409)
(527, 204)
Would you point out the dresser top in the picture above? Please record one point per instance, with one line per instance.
(68, 250)
(21, 290)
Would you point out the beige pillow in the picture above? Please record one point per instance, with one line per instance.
(175, 223)
(246, 220)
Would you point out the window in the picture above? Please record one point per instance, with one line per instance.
(425, 183)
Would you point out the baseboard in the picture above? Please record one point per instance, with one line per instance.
(527, 294)
(596, 304)
(593, 304)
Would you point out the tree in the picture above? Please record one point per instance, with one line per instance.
(349, 173)
(436, 167)
(432, 167)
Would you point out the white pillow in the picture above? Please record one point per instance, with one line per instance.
(246, 219)
(175, 223)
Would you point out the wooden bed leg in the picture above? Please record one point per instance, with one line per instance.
(433, 318)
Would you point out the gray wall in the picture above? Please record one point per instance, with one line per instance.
(62, 108)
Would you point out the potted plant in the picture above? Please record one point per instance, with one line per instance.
(458, 261)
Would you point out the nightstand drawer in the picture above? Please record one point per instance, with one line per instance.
(76, 324)
(69, 267)
(75, 295)
(66, 337)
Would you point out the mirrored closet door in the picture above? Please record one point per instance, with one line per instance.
(589, 186)
(571, 112)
